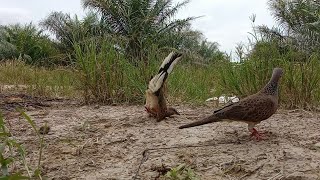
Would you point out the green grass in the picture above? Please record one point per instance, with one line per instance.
(105, 75)
(192, 83)
(299, 85)
(180, 172)
(108, 77)
(11, 152)
(39, 81)
(101, 75)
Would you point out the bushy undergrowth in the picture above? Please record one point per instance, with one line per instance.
(27, 43)
(193, 83)
(299, 86)
(105, 75)
(59, 81)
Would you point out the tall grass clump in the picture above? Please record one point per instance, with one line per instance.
(105, 74)
(108, 76)
(193, 83)
(299, 86)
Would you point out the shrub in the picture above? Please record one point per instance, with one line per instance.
(299, 86)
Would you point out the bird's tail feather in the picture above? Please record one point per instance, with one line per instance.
(169, 62)
(210, 119)
(165, 69)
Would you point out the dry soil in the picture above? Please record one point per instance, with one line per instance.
(107, 142)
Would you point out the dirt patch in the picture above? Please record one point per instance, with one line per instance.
(9, 102)
(107, 142)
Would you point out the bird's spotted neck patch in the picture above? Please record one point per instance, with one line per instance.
(271, 88)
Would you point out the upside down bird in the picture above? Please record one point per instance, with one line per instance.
(156, 104)
(251, 110)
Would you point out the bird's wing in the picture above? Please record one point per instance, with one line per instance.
(169, 62)
(165, 69)
(156, 82)
(254, 108)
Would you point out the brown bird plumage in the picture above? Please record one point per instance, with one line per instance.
(251, 110)
(156, 104)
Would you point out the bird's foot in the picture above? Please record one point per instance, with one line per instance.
(257, 135)
(149, 111)
(158, 119)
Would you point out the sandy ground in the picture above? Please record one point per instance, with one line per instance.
(107, 142)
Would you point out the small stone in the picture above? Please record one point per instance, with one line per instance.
(317, 145)
(44, 129)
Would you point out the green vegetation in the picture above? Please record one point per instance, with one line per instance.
(299, 86)
(299, 25)
(26, 42)
(12, 152)
(58, 82)
(181, 172)
(102, 76)
(109, 55)
(294, 46)
(141, 22)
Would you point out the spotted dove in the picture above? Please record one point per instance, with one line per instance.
(251, 110)
(156, 104)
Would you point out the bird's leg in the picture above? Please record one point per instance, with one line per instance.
(160, 116)
(150, 112)
(254, 132)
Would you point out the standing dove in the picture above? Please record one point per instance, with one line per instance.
(251, 110)
(156, 105)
